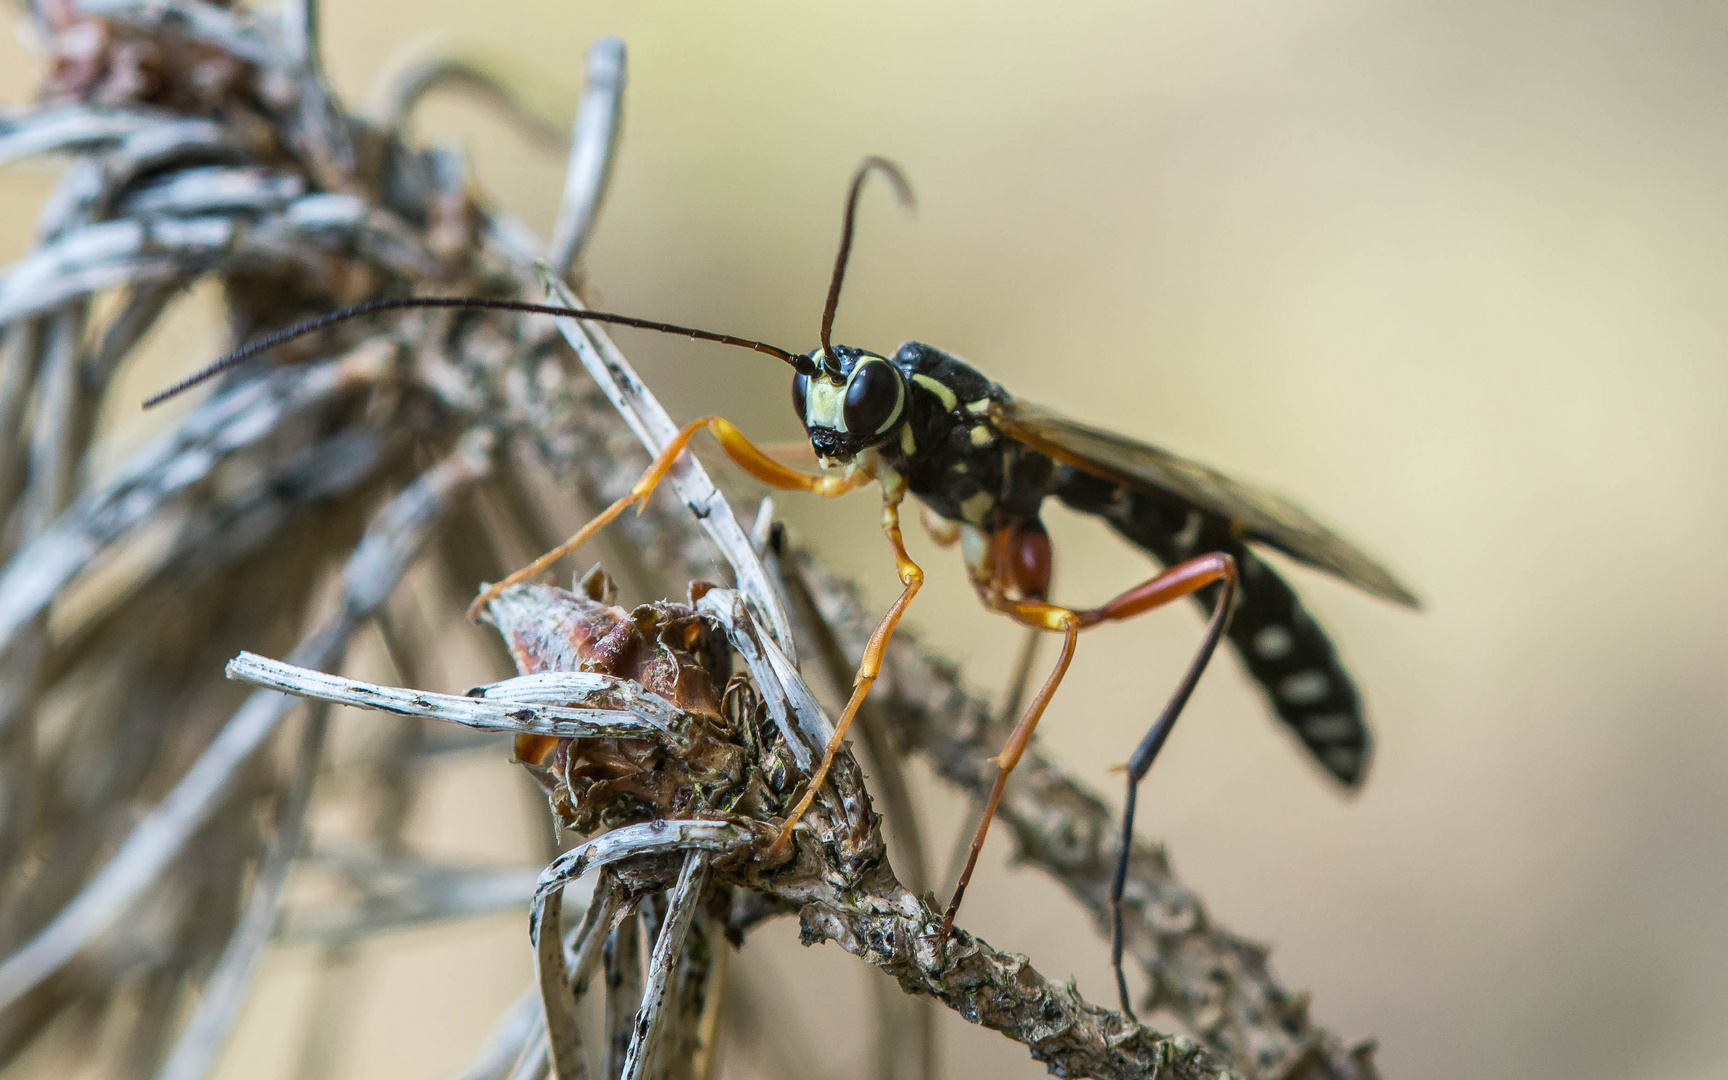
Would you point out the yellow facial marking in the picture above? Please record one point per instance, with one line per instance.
(824, 405)
(943, 394)
(908, 444)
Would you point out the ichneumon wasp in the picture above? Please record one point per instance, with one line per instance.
(982, 462)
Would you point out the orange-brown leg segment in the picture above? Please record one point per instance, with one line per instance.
(911, 577)
(1173, 584)
(737, 447)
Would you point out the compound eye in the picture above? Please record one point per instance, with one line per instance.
(873, 398)
(800, 393)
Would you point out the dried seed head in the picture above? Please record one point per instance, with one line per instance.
(714, 766)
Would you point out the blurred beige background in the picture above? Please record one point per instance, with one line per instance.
(1451, 273)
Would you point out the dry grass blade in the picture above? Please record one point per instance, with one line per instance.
(441, 63)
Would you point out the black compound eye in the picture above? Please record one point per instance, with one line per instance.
(873, 397)
(800, 391)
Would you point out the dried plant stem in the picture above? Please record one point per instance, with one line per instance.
(558, 1002)
(623, 994)
(506, 714)
(650, 1025)
(380, 560)
(593, 149)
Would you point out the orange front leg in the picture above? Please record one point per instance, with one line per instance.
(911, 578)
(740, 449)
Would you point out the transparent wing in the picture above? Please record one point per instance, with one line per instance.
(1257, 515)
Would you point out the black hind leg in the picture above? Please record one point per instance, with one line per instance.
(1141, 762)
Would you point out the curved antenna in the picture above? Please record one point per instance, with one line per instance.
(903, 191)
(800, 363)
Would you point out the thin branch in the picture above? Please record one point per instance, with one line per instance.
(65, 128)
(623, 993)
(214, 189)
(504, 1045)
(57, 431)
(229, 423)
(593, 149)
(377, 564)
(437, 62)
(668, 947)
(563, 1032)
(299, 19)
(555, 720)
(443, 895)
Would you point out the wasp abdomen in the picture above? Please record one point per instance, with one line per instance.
(1283, 648)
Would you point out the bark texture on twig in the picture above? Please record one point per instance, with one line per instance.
(838, 877)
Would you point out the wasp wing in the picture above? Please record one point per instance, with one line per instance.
(1255, 514)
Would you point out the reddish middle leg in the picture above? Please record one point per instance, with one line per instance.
(1013, 565)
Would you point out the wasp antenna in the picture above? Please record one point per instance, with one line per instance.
(371, 307)
(903, 191)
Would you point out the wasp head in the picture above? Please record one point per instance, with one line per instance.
(851, 407)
